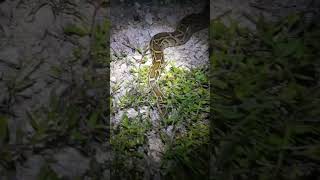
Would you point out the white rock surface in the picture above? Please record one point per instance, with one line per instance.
(132, 113)
(155, 118)
(156, 147)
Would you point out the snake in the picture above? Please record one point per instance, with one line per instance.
(184, 30)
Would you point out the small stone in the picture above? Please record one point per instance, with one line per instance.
(131, 113)
(169, 130)
(144, 110)
(137, 5)
(148, 18)
(117, 118)
(197, 55)
(113, 79)
(140, 149)
(135, 58)
(123, 67)
(155, 117)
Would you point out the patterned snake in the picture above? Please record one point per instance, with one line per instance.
(184, 30)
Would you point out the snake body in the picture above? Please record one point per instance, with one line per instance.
(183, 32)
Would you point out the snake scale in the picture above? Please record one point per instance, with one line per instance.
(189, 25)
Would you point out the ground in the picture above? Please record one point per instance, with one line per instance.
(54, 82)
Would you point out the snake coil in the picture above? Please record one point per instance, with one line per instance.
(183, 32)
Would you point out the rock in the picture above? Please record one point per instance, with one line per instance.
(123, 67)
(181, 129)
(155, 117)
(113, 79)
(84, 41)
(92, 93)
(5, 13)
(45, 18)
(31, 168)
(60, 89)
(131, 113)
(37, 24)
(70, 163)
(148, 18)
(140, 149)
(10, 55)
(7, 32)
(65, 50)
(137, 5)
(156, 147)
(102, 156)
(117, 118)
(144, 110)
(4, 94)
(136, 57)
(169, 131)
(161, 15)
(172, 19)
(197, 56)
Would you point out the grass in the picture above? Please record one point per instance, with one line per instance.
(265, 99)
(188, 105)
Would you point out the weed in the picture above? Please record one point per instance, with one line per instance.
(187, 101)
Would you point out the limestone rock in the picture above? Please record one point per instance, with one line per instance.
(132, 113)
(148, 18)
(70, 163)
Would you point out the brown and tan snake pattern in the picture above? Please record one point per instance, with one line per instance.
(185, 29)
